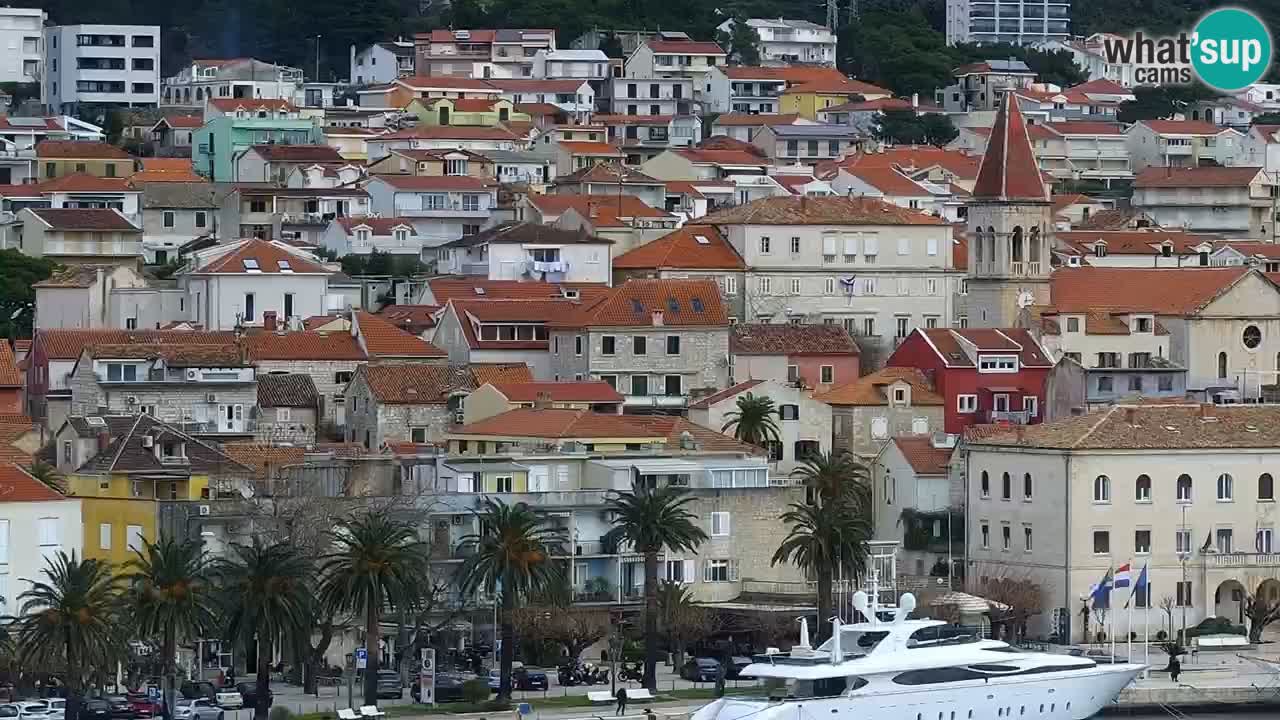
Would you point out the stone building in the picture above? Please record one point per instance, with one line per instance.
(893, 402)
(288, 409)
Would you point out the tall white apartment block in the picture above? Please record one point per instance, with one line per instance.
(21, 44)
(1021, 22)
(101, 65)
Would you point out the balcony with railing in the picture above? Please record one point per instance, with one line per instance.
(452, 208)
(306, 218)
(106, 248)
(1010, 417)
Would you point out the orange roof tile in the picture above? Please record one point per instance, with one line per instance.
(80, 149)
(846, 86)
(10, 376)
(914, 159)
(788, 210)
(267, 460)
(1166, 177)
(383, 339)
(303, 345)
(446, 288)
(497, 373)
(269, 256)
(67, 344)
(1180, 290)
(725, 394)
(1009, 170)
(18, 485)
(682, 303)
(414, 383)
(1183, 127)
(922, 456)
(559, 423)
(448, 132)
(80, 182)
(870, 389)
(684, 249)
(711, 156)
(888, 180)
(599, 210)
(428, 183)
(685, 47)
(787, 339)
(587, 391)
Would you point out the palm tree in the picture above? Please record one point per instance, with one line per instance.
(68, 616)
(832, 475)
(511, 555)
(753, 422)
(45, 473)
(168, 583)
(825, 539)
(652, 519)
(265, 594)
(376, 562)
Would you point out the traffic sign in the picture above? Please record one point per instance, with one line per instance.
(427, 678)
(362, 658)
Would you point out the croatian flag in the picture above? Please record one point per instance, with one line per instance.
(1122, 576)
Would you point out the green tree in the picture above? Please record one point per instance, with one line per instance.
(825, 540)
(742, 41)
(905, 127)
(897, 48)
(1270, 118)
(169, 593)
(376, 562)
(511, 559)
(18, 273)
(67, 619)
(752, 420)
(264, 593)
(834, 476)
(45, 473)
(1152, 103)
(651, 519)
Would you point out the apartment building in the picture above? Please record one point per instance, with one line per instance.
(22, 39)
(806, 144)
(504, 53)
(519, 251)
(235, 79)
(893, 402)
(983, 85)
(1019, 22)
(381, 62)
(1237, 202)
(101, 65)
(784, 41)
(675, 55)
(1181, 144)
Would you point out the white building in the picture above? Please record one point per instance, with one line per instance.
(1020, 22)
(381, 62)
(1186, 491)
(234, 284)
(441, 208)
(651, 96)
(365, 235)
(102, 65)
(591, 65)
(528, 251)
(804, 424)
(21, 44)
(791, 41)
(36, 523)
(675, 55)
(1238, 202)
(1181, 144)
(238, 79)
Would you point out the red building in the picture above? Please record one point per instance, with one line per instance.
(822, 356)
(984, 375)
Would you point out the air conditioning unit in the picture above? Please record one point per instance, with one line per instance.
(204, 509)
(131, 400)
(193, 374)
(211, 398)
(148, 441)
(457, 519)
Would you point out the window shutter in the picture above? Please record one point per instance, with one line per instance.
(850, 244)
(690, 570)
(828, 245)
(706, 571)
(733, 571)
(904, 246)
(104, 536)
(933, 246)
(871, 245)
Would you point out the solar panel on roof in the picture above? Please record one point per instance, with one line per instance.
(95, 421)
(26, 122)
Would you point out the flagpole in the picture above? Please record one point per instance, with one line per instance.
(1128, 626)
(1110, 619)
(1146, 626)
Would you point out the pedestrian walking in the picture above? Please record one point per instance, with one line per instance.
(1175, 669)
(622, 701)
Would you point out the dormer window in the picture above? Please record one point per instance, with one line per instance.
(1166, 250)
(251, 265)
(362, 236)
(998, 364)
(1100, 250)
(284, 266)
(401, 235)
(899, 396)
(1142, 324)
(1073, 261)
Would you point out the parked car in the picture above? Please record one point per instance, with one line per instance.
(448, 687)
(9, 711)
(700, 669)
(96, 709)
(389, 685)
(120, 707)
(249, 694)
(144, 707)
(197, 709)
(35, 709)
(228, 699)
(736, 666)
(192, 690)
(57, 708)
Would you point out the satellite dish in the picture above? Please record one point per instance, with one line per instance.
(246, 491)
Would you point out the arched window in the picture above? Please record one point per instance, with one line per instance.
(1015, 244)
(1142, 489)
(991, 244)
(1184, 488)
(1266, 487)
(199, 94)
(978, 237)
(1102, 489)
(1225, 486)
(1033, 246)
(1006, 487)
(1026, 486)
(186, 95)
(986, 484)
(1222, 366)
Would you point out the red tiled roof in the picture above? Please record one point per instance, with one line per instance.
(914, 159)
(1183, 127)
(711, 156)
(84, 219)
(255, 104)
(740, 119)
(1165, 177)
(498, 373)
(157, 176)
(184, 122)
(685, 47)
(50, 123)
(383, 339)
(522, 311)
(725, 394)
(446, 288)
(591, 391)
(1164, 291)
(559, 423)
(294, 390)
(80, 182)
(18, 485)
(536, 85)
(788, 210)
(843, 86)
(447, 132)
(412, 319)
(10, 376)
(880, 105)
(683, 250)
(537, 109)
(787, 339)
(428, 183)
(947, 342)
(299, 153)
(378, 226)
(446, 35)
(470, 104)
(67, 344)
(269, 255)
(265, 458)
(870, 389)
(599, 210)
(415, 383)
(890, 181)
(922, 456)
(303, 345)
(1009, 170)
(1133, 242)
(634, 303)
(1101, 86)
(80, 149)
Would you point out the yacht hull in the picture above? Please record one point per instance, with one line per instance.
(1051, 696)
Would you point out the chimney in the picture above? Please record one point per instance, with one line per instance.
(542, 400)
(269, 320)
(657, 318)
(104, 439)
(1131, 416)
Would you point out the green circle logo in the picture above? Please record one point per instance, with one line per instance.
(1230, 49)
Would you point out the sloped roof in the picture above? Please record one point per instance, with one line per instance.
(913, 159)
(448, 287)
(427, 183)
(787, 339)
(231, 104)
(383, 339)
(526, 232)
(1149, 427)
(299, 153)
(268, 255)
(787, 210)
(686, 47)
(922, 456)
(265, 459)
(179, 195)
(683, 303)
(10, 375)
(75, 276)
(497, 373)
(1009, 170)
(415, 383)
(591, 391)
(100, 219)
(729, 392)
(447, 132)
(741, 119)
(68, 344)
(1163, 291)
(411, 318)
(1163, 177)
(607, 172)
(80, 150)
(952, 345)
(715, 156)
(294, 390)
(303, 345)
(684, 249)
(870, 389)
(600, 210)
(82, 182)
(126, 452)
(1134, 242)
(18, 485)
(173, 354)
(890, 181)
(378, 226)
(1183, 127)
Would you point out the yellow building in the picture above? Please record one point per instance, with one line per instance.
(807, 99)
(126, 470)
(58, 158)
(465, 111)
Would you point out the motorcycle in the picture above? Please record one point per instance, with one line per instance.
(630, 672)
(569, 675)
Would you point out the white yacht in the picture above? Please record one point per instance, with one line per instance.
(921, 670)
